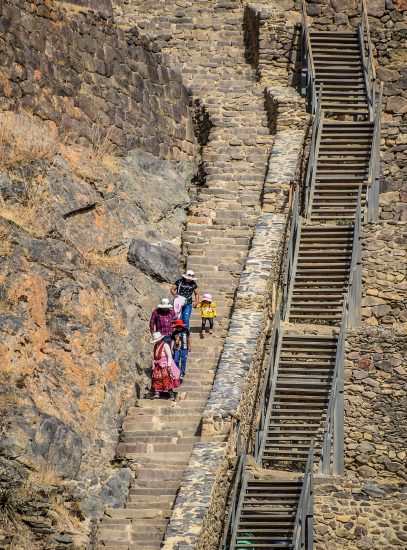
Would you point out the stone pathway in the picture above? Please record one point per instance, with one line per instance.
(206, 40)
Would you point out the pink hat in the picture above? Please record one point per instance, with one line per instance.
(207, 297)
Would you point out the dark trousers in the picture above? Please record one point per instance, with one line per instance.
(204, 319)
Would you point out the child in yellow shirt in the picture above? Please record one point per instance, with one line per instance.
(208, 312)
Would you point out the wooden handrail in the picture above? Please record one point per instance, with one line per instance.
(365, 17)
(292, 249)
(313, 155)
(267, 392)
(308, 70)
(231, 522)
(304, 505)
(372, 185)
(307, 38)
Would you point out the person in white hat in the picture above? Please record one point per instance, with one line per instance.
(162, 318)
(187, 287)
(165, 375)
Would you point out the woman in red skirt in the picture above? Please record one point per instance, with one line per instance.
(165, 373)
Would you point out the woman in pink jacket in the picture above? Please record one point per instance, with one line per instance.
(165, 373)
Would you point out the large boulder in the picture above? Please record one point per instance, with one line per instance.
(160, 261)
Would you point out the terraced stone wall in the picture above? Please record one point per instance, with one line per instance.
(273, 42)
(91, 79)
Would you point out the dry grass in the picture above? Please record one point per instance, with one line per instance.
(74, 8)
(29, 215)
(70, 516)
(44, 477)
(99, 259)
(24, 138)
(90, 161)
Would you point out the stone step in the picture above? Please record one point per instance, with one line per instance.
(166, 474)
(157, 500)
(153, 484)
(169, 419)
(153, 448)
(154, 440)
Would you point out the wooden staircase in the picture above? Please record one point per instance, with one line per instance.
(339, 69)
(267, 515)
(300, 400)
(321, 274)
(342, 168)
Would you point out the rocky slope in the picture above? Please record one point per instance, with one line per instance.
(78, 228)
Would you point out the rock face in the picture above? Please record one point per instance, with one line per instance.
(74, 312)
(106, 88)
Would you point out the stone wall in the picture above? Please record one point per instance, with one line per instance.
(384, 299)
(375, 403)
(91, 79)
(366, 507)
(350, 514)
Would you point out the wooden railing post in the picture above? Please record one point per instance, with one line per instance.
(338, 442)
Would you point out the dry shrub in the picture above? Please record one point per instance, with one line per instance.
(11, 505)
(24, 138)
(101, 143)
(6, 245)
(30, 214)
(90, 161)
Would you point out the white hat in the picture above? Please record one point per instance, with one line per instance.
(207, 297)
(189, 274)
(156, 337)
(165, 304)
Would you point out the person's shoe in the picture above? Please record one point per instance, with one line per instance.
(172, 396)
(210, 331)
(156, 395)
(202, 334)
(181, 378)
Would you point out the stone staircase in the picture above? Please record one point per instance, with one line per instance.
(157, 439)
(207, 43)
